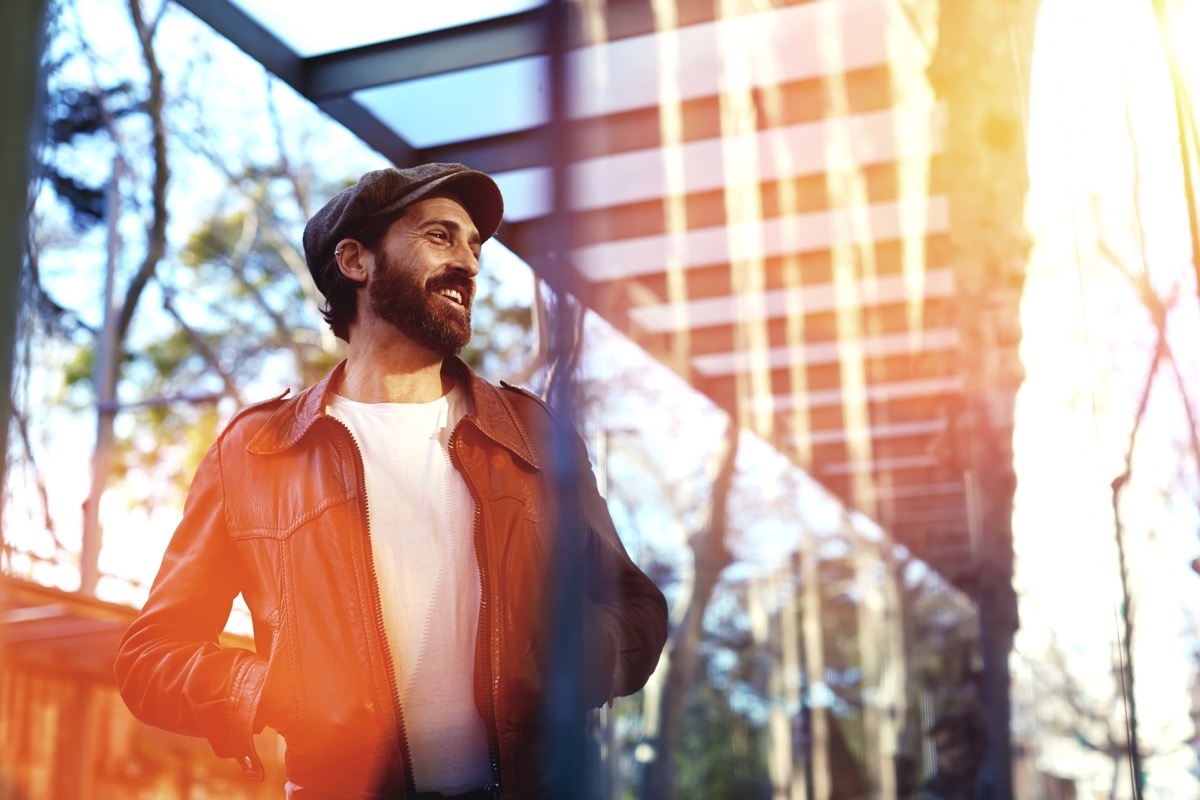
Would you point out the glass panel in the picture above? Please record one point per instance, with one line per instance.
(463, 105)
(313, 27)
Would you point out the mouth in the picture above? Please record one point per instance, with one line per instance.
(455, 290)
(452, 294)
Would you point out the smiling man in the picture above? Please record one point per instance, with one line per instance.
(393, 532)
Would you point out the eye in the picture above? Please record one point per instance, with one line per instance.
(441, 236)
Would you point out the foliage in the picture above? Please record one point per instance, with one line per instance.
(502, 340)
(222, 312)
(721, 752)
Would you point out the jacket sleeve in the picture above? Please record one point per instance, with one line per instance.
(171, 669)
(625, 627)
(628, 613)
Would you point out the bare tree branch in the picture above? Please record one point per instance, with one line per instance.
(288, 170)
(165, 400)
(201, 346)
(711, 556)
(21, 422)
(156, 228)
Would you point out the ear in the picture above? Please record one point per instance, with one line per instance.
(350, 255)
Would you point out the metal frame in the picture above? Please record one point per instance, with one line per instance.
(330, 80)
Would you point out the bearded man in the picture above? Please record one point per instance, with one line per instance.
(393, 531)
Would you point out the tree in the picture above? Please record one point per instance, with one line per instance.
(710, 557)
(226, 312)
(980, 71)
(103, 112)
(1102, 686)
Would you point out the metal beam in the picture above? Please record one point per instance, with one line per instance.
(366, 126)
(497, 154)
(280, 60)
(252, 38)
(476, 45)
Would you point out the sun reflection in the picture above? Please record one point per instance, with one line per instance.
(670, 121)
(852, 254)
(741, 48)
(1107, 214)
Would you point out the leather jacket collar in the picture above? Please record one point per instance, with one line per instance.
(494, 415)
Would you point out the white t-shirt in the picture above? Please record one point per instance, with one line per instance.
(422, 526)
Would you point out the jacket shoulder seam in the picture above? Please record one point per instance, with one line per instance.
(519, 421)
(262, 405)
(531, 395)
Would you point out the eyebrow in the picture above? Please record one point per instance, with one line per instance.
(453, 226)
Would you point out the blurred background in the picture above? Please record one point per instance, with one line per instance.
(880, 319)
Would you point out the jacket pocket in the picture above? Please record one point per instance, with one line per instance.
(278, 515)
(278, 703)
(273, 496)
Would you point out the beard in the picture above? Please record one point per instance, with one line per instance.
(417, 310)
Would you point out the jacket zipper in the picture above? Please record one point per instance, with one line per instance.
(495, 788)
(410, 783)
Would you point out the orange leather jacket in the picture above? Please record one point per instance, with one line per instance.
(277, 512)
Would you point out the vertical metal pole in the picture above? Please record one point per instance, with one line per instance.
(565, 715)
(24, 31)
(608, 778)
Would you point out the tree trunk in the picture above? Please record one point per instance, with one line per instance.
(119, 316)
(819, 775)
(774, 609)
(980, 72)
(872, 644)
(682, 652)
(104, 383)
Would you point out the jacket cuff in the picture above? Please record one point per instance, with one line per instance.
(248, 689)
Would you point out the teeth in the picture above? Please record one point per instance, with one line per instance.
(453, 294)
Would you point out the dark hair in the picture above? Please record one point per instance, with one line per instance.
(341, 300)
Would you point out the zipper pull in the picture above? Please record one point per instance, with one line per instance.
(495, 790)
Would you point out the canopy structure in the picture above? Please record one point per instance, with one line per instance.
(753, 196)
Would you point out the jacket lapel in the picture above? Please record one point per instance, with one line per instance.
(495, 416)
(294, 417)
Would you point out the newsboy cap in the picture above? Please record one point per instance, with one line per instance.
(385, 192)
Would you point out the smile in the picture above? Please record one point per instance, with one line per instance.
(452, 294)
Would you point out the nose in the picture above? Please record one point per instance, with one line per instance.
(465, 260)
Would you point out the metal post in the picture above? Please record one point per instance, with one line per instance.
(565, 715)
(19, 93)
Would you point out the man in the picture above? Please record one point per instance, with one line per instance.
(393, 532)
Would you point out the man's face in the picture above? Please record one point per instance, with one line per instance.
(424, 278)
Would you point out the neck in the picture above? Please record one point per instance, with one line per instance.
(391, 372)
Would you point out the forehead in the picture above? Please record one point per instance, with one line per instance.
(440, 207)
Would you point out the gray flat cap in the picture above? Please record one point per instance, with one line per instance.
(389, 191)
